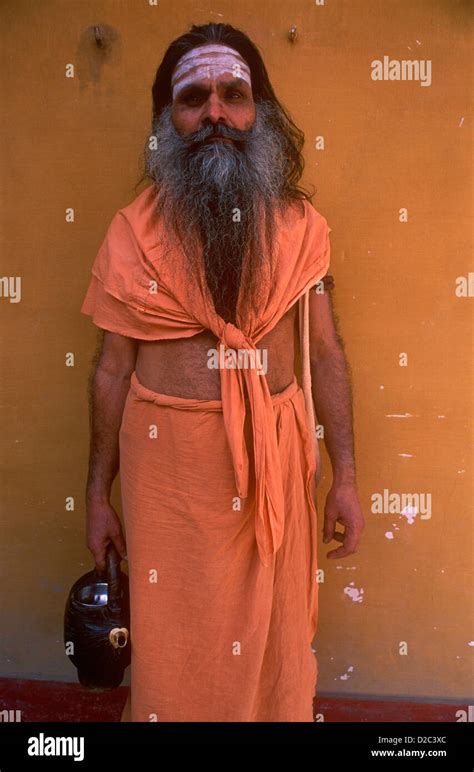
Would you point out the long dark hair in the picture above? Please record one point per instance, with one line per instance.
(225, 34)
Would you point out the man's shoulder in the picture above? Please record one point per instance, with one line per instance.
(135, 220)
(128, 238)
(141, 207)
(303, 211)
(312, 213)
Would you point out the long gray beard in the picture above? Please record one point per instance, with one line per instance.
(219, 199)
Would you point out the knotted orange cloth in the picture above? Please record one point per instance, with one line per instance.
(265, 441)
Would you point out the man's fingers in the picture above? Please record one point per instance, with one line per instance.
(329, 528)
(349, 546)
(337, 535)
(120, 546)
(98, 553)
(341, 552)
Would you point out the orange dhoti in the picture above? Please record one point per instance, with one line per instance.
(215, 635)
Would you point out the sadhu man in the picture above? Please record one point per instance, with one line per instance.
(195, 398)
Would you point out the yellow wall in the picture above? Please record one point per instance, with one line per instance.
(389, 144)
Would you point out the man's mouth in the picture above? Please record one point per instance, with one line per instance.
(220, 139)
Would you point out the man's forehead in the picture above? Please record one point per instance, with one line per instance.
(205, 81)
(209, 63)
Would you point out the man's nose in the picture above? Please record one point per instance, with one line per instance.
(213, 111)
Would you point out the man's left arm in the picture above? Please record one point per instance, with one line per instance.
(332, 396)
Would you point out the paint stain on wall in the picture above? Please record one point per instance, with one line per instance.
(407, 512)
(410, 513)
(347, 674)
(354, 594)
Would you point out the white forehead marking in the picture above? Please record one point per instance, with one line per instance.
(208, 62)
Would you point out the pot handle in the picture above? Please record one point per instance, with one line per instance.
(113, 577)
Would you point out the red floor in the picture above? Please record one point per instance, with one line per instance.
(58, 701)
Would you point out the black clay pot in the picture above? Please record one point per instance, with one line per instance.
(97, 625)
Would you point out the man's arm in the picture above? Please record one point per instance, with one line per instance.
(332, 396)
(332, 391)
(109, 383)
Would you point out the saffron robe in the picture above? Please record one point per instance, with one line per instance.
(218, 496)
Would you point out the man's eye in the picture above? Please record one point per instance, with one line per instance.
(192, 97)
(195, 98)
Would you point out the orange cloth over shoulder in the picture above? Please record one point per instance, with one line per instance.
(133, 292)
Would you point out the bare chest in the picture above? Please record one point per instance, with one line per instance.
(186, 367)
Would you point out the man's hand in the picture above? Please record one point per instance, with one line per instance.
(343, 506)
(103, 527)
